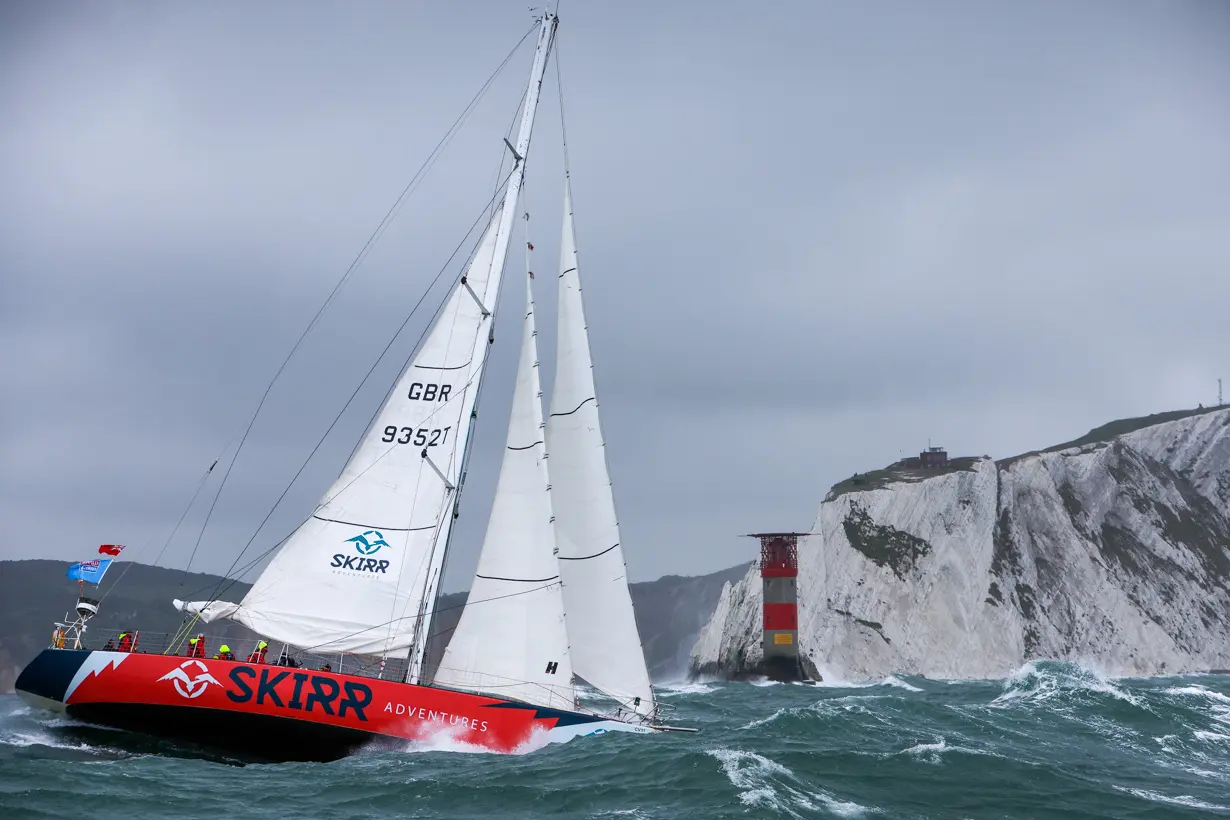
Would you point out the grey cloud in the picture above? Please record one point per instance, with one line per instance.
(811, 238)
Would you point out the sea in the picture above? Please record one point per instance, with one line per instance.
(1053, 740)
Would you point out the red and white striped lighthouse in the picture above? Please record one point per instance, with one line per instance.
(779, 573)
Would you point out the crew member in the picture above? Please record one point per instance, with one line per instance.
(258, 654)
(125, 642)
(196, 647)
(110, 647)
(224, 654)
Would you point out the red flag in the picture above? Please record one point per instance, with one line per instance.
(110, 549)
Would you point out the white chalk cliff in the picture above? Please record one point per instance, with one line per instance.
(1113, 551)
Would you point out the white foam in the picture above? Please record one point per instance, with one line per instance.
(1034, 683)
(1211, 737)
(893, 680)
(37, 738)
(753, 724)
(767, 784)
(695, 688)
(447, 738)
(930, 752)
(1199, 692)
(1180, 800)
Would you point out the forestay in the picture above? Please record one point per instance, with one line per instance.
(605, 643)
(354, 576)
(511, 640)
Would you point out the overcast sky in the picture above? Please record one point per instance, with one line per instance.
(813, 236)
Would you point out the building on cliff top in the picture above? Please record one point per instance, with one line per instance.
(933, 458)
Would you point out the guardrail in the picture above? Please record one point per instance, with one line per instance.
(243, 649)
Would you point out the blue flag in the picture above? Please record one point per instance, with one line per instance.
(91, 571)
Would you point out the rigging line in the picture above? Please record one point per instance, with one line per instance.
(508, 133)
(225, 583)
(490, 204)
(200, 485)
(430, 322)
(454, 508)
(286, 537)
(434, 611)
(239, 572)
(559, 86)
(371, 241)
(222, 588)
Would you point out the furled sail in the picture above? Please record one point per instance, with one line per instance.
(602, 632)
(355, 576)
(511, 640)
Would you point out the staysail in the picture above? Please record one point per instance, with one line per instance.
(352, 578)
(511, 640)
(602, 632)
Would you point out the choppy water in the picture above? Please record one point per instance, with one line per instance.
(1054, 741)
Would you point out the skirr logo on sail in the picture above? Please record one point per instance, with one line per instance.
(366, 547)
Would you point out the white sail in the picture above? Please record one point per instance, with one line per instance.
(602, 632)
(511, 640)
(353, 577)
(362, 573)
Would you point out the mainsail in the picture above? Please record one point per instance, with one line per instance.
(605, 643)
(353, 577)
(511, 640)
(362, 573)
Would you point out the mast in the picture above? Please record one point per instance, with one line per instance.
(431, 590)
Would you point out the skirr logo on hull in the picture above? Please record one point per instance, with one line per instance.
(190, 687)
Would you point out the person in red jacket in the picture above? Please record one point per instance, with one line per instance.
(258, 654)
(125, 642)
(196, 647)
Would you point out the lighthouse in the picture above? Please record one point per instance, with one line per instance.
(779, 574)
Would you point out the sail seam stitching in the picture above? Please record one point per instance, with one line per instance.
(587, 557)
(390, 529)
(575, 409)
(518, 580)
(441, 367)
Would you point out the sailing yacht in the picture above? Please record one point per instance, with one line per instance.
(359, 579)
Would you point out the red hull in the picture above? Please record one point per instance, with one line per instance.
(282, 713)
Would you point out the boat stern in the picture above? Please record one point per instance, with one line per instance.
(46, 680)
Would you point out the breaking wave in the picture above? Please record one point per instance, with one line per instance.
(1051, 739)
